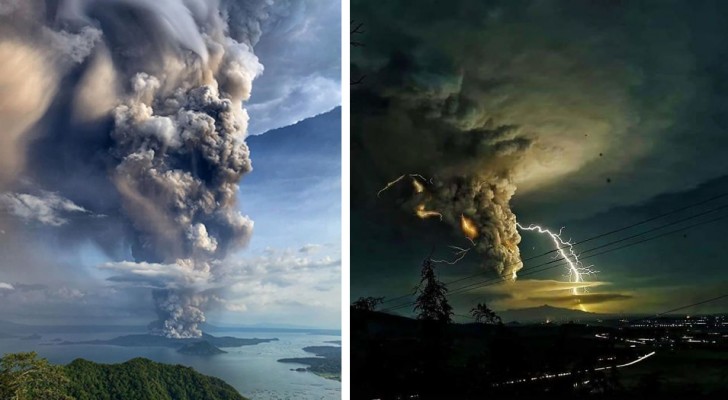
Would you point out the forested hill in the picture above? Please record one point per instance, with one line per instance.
(140, 378)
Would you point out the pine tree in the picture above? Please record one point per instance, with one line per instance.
(431, 303)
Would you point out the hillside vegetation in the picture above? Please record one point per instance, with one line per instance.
(24, 377)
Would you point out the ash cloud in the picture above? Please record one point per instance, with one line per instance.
(498, 100)
(134, 109)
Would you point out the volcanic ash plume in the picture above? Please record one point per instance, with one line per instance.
(178, 171)
(180, 313)
(177, 175)
(156, 122)
(480, 210)
(473, 195)
(513, 95)
(179, 142)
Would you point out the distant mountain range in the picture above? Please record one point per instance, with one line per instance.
(13, 330)
(528, 315)
(310, 148)
(147, 340)
(8, 328)
(318, 132)
(547, 313)
(269, 328)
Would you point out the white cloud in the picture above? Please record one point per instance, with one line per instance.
(278, 284)
(302, 58)
(310, 248)
(38, 294)
(281, 278)
(297, 100)
(47, 208)
(183, 273)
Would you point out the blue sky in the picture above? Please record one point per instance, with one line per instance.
(294, 197)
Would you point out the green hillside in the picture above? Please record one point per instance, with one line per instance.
(143, 379)
(25, 376)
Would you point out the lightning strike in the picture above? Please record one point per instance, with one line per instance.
(390, 184)
(459, 254)
(419, 187)
(565, 248)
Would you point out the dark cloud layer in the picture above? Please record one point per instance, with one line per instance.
(562, 109)
(586, 299)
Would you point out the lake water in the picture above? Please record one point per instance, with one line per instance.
(252, 370)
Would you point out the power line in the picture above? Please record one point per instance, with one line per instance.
(643, 221)
(701, 302)
(605, 234)
(723, 296)
(534, 270)
(525, 271)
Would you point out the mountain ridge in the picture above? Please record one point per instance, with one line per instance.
(546, 313)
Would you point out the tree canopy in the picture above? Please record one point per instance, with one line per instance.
(367, 303)
(25, 376)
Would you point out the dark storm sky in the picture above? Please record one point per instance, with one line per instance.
(625, 107)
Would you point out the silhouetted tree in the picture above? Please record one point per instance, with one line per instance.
(355, 30)
(431, 303)
(485, 315)
(433, 309)
(367, 303)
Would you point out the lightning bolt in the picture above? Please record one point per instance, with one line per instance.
(565, 249)
(418, 186)
(459, 254)
(390, 184)
(467, 225)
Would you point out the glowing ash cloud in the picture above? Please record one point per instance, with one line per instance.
(478, 209)
(513, 96)
(422, 213)
(468, 227)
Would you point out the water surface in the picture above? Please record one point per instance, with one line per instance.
(252, 370)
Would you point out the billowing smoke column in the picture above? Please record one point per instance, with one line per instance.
(473, 194)
(481, 210)
(180, 158)
(160, 102)
(181, 152)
